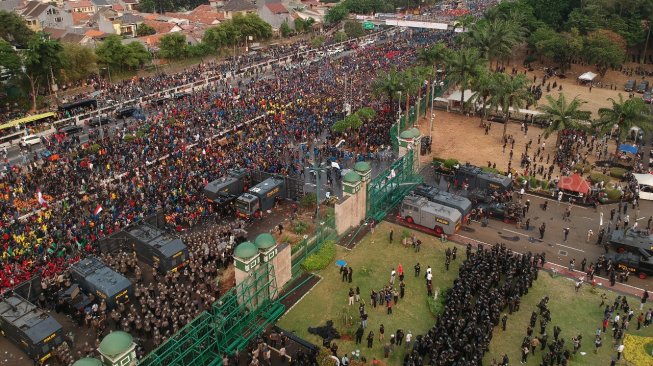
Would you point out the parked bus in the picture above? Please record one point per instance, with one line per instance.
(11, 132)
(80, 104)
(421, 211)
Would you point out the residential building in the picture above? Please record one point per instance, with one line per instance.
(39, 15)
(235, 7)
(276, 14)
(83, 6)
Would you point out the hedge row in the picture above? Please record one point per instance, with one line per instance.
(321, 258)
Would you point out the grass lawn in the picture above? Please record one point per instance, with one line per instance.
(372, 260)
(575, 313)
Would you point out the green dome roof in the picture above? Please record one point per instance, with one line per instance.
(406, 135)
(88, 362)
(265, 241)
(362, 166)
(246, 250)
(116, 343)
(351, 177)
(415, 132)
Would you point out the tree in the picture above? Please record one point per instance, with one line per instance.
(144, 30)
(495, 39)
(563, 114)
(317, 41)
(284, 29)
(465, 21)
(605, 49)
(299, 25)
(354, 29)
(511, 92)
(251, 25)
(351, 122)
(225, 34)
(113, 53)
(136, 55)
(173, 46)
(42, 60)
(336, 14)
(464, 66)
(14, 30)
(484, 86)
(435, 55)
(390, 84)
(552, 12)
(624, 115)
(9, 58)
(366, 114)
(562, 48)
(340, 36)
(156, 6)
(78, 62)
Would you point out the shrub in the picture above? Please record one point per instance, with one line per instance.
(436, 306)
(449, 163)
(299, 227)
(613, 194)
(129, 138)
(489, 169)
(598, 177)
(324, 358)
(93, 149)
(584, 168)
(321, 258)
(438, 160)
(617, 172)
(309, 200)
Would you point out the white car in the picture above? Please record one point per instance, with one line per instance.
(29, 140)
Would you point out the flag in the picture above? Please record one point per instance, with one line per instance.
(42, 200)
(97, 211)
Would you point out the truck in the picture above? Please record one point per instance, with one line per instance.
(439, 218)
(224, 191)
(162, 250)
(640, 263)
(95, 277)
(260, 198)
(476, 179)
(433, 194)
(633, 241)
(30, 328)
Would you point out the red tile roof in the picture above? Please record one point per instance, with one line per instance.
(94, 33)
(160, 27)
(277, 8)
(80, 18)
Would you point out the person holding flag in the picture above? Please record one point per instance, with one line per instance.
(39, 197)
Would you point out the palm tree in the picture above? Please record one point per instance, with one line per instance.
(484, 87)
(624, 115)
(389, 83)
(563, 114)
(414, 81)
(495, 39)
(512, 92)
(465, 21)
(435, 55)
(465, 66)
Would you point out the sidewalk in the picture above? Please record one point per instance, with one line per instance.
(563, 271)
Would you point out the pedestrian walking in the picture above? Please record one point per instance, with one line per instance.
(565, 231)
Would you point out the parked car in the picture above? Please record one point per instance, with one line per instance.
(643, 86)
(647, 97)
(125, 112)
(29, 140)
(97, 121)
(70, 130)
(630, 85)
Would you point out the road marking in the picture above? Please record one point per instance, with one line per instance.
(641, 218)
(587, 218)
(566, 246)
(514, 232)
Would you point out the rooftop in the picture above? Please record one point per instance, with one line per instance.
(277, 8)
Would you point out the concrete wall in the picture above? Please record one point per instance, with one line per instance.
(351, 210)
(282, 265)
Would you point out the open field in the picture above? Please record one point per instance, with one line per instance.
(372, 260)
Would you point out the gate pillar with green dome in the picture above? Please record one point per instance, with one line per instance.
(411, 139)
(277, 254)
(88, 361)
(118, 349)
(350, 211)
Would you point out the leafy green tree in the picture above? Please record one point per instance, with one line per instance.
(144, 30)
(366, 114)
(511, 92)
(317, 41)
(351, 122)
(603, 49)
(484, 87)
(552, 12)
(284, 29)
(198, 50)
(42, 59)
(336, 14)
(251, 25)
(113, 53)
(464, 66)
(563, 114)
(495, 39)
(465, 21)
(340, 36)
(562, 48)
(354, 29)
(14, 30)
(78, 62)
(389, 84)
(624, 114)
(9, 58)
(225, 34)
(435, 55)
(136, 55)
(173, 46)
(156, 6)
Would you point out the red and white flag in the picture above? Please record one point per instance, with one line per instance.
(97, 211)
(40, 198)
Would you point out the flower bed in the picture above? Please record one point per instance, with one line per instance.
(635, 350)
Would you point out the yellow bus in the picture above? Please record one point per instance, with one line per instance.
(35, 123)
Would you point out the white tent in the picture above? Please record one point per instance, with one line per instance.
(645, 182)
(455, 96)
(588, 76)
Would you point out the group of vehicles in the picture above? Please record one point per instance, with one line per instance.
(444, 212)
(643, 87)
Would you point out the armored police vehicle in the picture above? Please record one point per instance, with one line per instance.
(437, 217)
(433, 194)
(640, 263)
(95, 277)
(477, 179)
(634, 241)
(30, 328)
(259, 198)
(225, 190)
(154, 246)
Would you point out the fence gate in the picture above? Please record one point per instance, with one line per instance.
(391, 186)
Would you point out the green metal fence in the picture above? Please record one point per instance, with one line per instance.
(326, 231)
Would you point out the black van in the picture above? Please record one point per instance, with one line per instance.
(70, 130)
(125, 112)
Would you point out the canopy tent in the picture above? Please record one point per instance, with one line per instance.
(574, 183)
(628, 148)
(455, 96)
(645, 179)
(588, 76)
(522, 111)
(27, 119)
